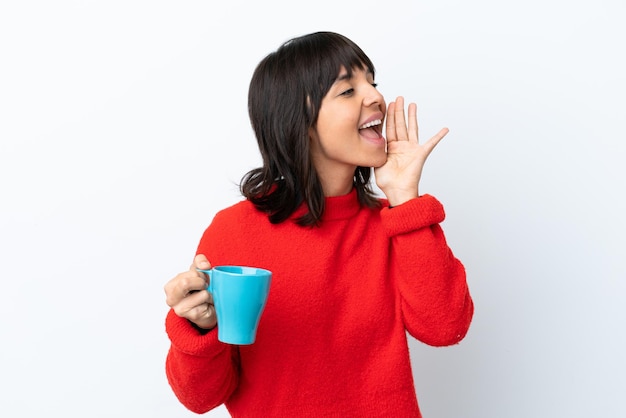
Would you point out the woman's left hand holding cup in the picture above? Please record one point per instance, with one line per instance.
(188, 296)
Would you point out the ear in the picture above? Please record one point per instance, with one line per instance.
(315, 147)
(313, 134)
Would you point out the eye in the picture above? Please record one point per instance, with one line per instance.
(347, 92)
(374, 85)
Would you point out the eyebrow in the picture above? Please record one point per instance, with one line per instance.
(345, 76)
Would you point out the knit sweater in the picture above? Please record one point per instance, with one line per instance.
(332, 340)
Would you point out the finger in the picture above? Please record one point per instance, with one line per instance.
(203, 316)
(413, 129)
(200, 262)
(400, 122)
(194, 307)
(390, 125)
(207, 315)
(432, 142)
(182, 285)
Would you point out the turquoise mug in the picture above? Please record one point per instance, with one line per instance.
(239, 296)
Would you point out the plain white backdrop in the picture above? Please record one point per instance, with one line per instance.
(123, 129)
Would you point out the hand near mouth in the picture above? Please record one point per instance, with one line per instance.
(399, 177)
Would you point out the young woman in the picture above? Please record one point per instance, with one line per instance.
(352, 272)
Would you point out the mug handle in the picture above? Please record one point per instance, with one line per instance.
(208, 273)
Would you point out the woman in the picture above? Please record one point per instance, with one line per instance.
(352, 272)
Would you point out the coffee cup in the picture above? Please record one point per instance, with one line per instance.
(239, 296)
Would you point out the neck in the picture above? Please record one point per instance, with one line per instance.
(335, 184)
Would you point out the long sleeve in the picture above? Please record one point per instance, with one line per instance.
(437, 307)
(316, 351)
(201, 370)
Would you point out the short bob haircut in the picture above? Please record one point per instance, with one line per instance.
(284, 99)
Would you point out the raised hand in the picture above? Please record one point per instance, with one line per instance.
(399, 177)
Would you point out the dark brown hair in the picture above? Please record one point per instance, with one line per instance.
(284, 99)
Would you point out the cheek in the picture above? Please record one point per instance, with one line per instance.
(337, 119)
(332, 130)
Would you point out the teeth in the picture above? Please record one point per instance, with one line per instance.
(370, 124)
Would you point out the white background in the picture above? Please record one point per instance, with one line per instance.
(124, 128)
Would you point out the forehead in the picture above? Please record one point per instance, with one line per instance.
(345, 74)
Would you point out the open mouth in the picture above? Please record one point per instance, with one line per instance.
(372, 130)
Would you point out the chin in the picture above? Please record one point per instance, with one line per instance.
(377, 164)
(380, 160)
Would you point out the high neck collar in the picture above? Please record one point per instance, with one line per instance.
(341, 207)
(336, 207)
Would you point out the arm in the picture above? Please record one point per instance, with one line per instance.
(436, 304)
(201, 370)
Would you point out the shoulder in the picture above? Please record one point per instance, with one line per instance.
(237, 207)
(239, 212)
(232, 223)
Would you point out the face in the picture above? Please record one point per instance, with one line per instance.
(348, 132)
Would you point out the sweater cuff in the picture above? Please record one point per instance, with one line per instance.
(186, 338)
(412, 215)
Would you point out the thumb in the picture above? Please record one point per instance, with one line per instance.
(200, 262)
(432, 142)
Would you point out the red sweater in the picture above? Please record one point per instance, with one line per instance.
(332, 339)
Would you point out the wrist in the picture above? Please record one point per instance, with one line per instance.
(201, 330)
(399, 197)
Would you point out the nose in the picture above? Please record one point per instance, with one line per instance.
(374, 97)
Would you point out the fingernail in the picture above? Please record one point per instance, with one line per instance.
(204, 265)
